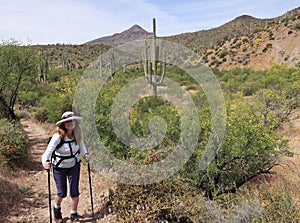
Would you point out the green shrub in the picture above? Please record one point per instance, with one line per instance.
(171, 200)
(28, 99)
(281, 203)
(297, 26)
(50, 109)
(13, 144)
(55, 74)
(249, 149)
(222, 53)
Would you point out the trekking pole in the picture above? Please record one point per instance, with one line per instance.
(91, 192)
(49, 195)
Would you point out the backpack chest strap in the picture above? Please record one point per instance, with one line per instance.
(61, 158)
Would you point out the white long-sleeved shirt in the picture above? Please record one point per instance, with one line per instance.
(63, 150)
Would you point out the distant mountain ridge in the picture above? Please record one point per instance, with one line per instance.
(134, 33)
(204, 39)
(198, 40)
(245, 41)
(238, 26)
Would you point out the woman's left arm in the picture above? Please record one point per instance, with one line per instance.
(84, 151)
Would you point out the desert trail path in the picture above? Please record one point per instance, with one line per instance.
(34, 206)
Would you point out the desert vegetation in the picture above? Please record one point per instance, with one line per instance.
(258, 103)
(240, 184)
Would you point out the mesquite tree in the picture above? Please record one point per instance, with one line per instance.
(16, 62)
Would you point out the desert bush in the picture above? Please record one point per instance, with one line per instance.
(172, 200)
(50, 109)
(280, 203)
(248, 149)
(58, 100)
(13, 144)
(222, 52)
(297, 26)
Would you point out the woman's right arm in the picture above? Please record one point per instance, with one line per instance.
(46, 157)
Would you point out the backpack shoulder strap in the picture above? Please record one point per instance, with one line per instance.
(60, 143)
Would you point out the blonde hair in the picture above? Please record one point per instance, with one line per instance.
(77, 133)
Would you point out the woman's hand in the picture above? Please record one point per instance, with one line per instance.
(47, 165)
(87, 157)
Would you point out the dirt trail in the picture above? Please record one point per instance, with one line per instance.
(33, 179)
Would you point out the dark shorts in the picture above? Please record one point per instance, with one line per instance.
(61, 175)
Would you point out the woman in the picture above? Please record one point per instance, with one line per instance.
(64, 149)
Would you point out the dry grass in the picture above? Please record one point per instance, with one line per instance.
(11, 191)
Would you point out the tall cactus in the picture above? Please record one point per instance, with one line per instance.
(43, 65)
(112, 63)
(151, 66)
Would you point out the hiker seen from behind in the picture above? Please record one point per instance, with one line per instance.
(63, 157)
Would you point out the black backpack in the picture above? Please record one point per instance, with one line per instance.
(54, 156)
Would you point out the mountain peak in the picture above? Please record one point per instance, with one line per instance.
(137, 28)
(133, 33)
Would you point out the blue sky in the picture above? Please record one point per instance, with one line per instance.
(79, 21)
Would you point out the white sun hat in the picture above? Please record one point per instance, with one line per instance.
(67, 116)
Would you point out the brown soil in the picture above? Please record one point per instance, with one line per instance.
(288, 168)
(33, 203)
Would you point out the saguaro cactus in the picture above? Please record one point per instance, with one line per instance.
(151, 66)
(112, 63)
(43, 66)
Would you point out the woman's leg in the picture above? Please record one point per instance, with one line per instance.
(74, 175)
(74, 203)
(58, 201)
(60, 177)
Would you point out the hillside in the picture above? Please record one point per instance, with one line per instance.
(243, 42)
(278, 42)
(72, 56)
(205, 39)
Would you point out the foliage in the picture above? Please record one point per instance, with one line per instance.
(52, 105)
(222, 52)
(279, 97)
(16, 62)
(31, 92)
(279, 203)
(13, 144)
(297, 26)
(50, 109)
(251, 146)
(249, 149)
(55, 74)
(140, 116)
(172, 200)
